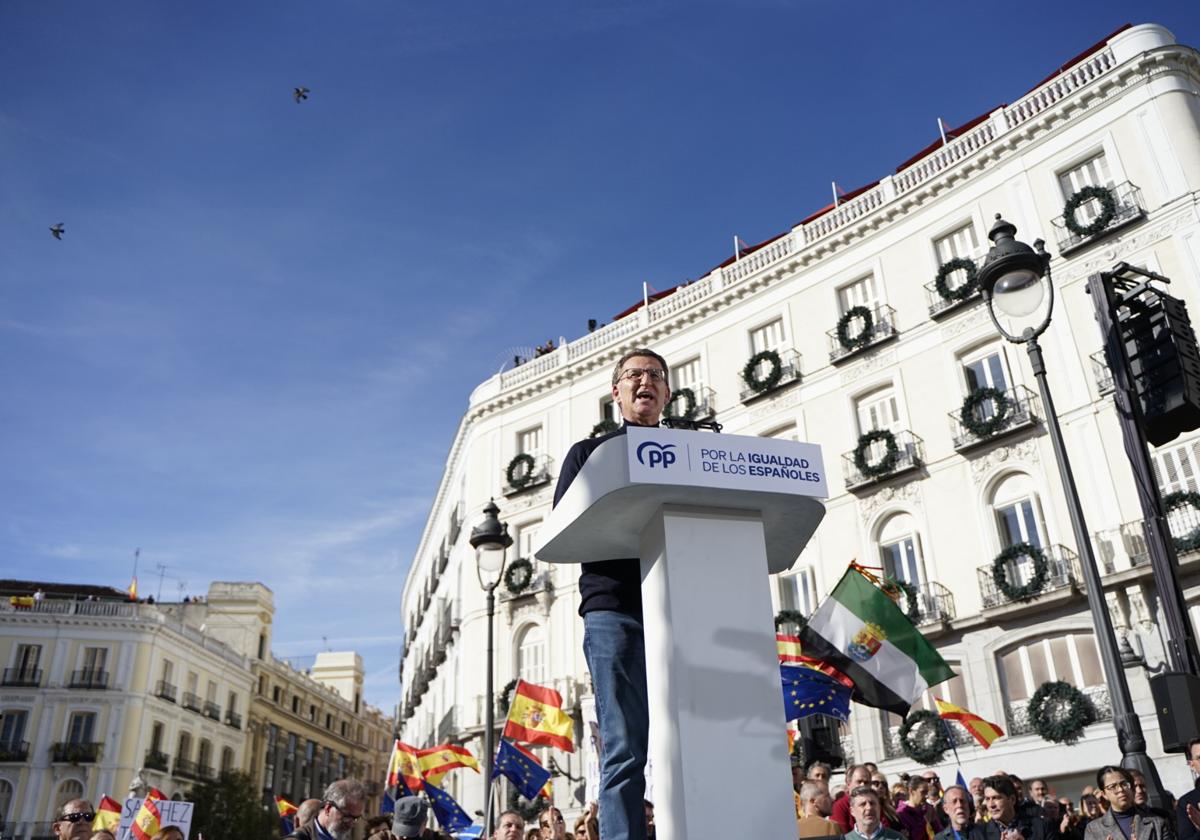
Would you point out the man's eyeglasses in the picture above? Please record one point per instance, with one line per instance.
(634, 374)
(85, 816)
(1121, 785)
(346, 815)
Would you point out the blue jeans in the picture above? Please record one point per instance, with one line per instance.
(615, 649)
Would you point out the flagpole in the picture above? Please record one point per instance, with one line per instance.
(487, 806)
(737, 252)
(833, 186)
(645, 294)
(950, 738)
(942, 131)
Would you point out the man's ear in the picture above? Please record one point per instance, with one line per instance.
(616, 395)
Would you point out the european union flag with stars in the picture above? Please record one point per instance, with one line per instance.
(449, 813)
(807, 691)
(521, 769)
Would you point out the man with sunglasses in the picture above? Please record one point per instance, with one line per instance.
(342, 806)
(610, 591)
(75, 820)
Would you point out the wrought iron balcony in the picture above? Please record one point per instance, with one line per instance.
(185, 769)
(191, 701)
(696, 402)
(205, 771)
(1121, 548)
(14, 751)
(1017, 714)
(233, 719)
(909, 455)
(537, 475)
(1127, 209)
(939, 306)
(882, 327)
(789, 370)
(1062, 571)
(891, 738)
(76, 752)
(156, 760)
(934, 603)
(212, 711)
(1184, 524)
(1019, 410)
(165, 691)
(91, 678)
(22, 677)
(1101, 373)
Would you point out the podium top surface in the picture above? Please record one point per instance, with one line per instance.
(629, 477)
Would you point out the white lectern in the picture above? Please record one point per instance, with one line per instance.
(710, 516)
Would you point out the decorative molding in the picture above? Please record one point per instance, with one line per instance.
(1118, 247)
(770, 406)
(528, 500)
(1025, 451)
(969, 319)
(868, 364)
(908, 492)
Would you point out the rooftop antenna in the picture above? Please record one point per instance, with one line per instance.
(162, 570)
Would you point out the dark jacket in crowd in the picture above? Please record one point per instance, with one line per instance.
(1187, 831)
(1149, 826)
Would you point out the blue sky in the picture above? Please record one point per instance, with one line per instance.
(249, 353)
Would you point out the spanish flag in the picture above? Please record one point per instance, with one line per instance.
(983, 731)
(536, 717)
(404, 769)
(108, 815)
(287, 813)
(436, 762)
(133, 589)
(147, 822)
(788, 647)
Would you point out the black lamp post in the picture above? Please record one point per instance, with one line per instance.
(491, 540)
(1015, 279)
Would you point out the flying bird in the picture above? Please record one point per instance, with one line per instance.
(58, 230)
(299, 93)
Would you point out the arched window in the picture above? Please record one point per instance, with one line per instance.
(204, 756)
(68, 790)
(1018, 518)
(900, 549)
(1071, 657)
(185, 747)
(227, 760)
(6, 798)
(531, 654)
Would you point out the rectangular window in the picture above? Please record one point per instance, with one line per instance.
(529, 442)
(28, 657)
(1018, 523)
(526, 539)
(798, 591)
(156, 737)
(960, 242)
(985, 370)
(1093, 172)
(878, 410)
(295, 705)
(80, 727)
(1175, 466)
(94, 659)
(862, 292)
(609, 410)
(193, 683)
(12, 726)
(686, 375)
(767, 337)
(168, 671)
(900, 559)
(210, 693)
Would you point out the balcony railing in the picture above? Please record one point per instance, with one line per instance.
(934, 603)
(1101, 373)
(1017, 713)
(1123, 548)
(882, 327)
(212, 711)
(14, 751)
(941, 306)
(1062, 571)
(1018, 411)
(538, 475)
(694, 402)
(23, 677)
(891, 742)
(233, 719)
(789, 370)
(90, 678)
(156, 760)
(191, 701)
(1184, 524)
(185, 769)
(76, 752)
(1127, 209)
(166, 691)
(909, 455)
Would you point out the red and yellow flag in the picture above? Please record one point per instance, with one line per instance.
(285, 808)
(536, 717)
(147, 822)
(983, 731)
(436, 762)
(404, 768)
(788, 647)
(108, 815)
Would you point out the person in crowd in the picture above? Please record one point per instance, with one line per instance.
(651, 831)
(916, 815)
(1054, 815)
(975, 787)
(342, 806)
(551, 824)
(169, 832)
(857, 775)
(533, 834)
(378, 828)
(1125, 818)
(102, 834)
(587, 827)
(509, 826)
(1039, 790)
(1190, 801)
(960, 816)
(880, 786)
(934, 794)
(864, 806)
(1141, 796)
(306, 812)
(1089, 808)
(611, 606)
(1005, 822)
(816, 806)
(819, 771)
(74, 821)
(409, 817)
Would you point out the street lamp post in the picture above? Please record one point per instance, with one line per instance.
(1015, 279)
(491, 540)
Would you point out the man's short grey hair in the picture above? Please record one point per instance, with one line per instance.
(966, 792)
(616, 376)
(344, 791)
(861, 791)
(810, 791)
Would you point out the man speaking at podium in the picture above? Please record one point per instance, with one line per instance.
(611, 605)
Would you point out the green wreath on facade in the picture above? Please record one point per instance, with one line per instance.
(688, 396)
(774, 371)
(1174, 501)
(790, 617)
(520, 470)
(1041, 570)
(1059, 712)
(529, 810)
(885, 464)
(1108, 210)
(961, 292)
(923, 737)
(972, 422)
(604, 427)
(506, 696)
(863, 337)
(518, 576)
(911, 608)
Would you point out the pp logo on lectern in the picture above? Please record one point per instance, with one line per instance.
(653, 454)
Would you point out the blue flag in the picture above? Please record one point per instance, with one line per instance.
(389, 804)
(959, 780)
(807, 691)
(449, 813)
(521, 768)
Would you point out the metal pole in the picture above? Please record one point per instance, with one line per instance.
(490, 719)
(1129, 729)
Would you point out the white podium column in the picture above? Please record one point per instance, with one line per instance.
(717, 742)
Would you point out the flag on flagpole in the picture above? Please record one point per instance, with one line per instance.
(789, 648)
(449, 813)
(147, 822)
(536, 717)
(436, 762)
(404, 770)
(108, 815)
(287, 813)
(547, 791)
(862, 633)
(962, 783)
(522, 768)
(389, 804)
(807, 691)
(983, 731)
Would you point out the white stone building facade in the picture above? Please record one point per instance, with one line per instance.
(1125, 116)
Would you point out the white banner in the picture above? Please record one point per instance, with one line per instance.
(172, 813)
